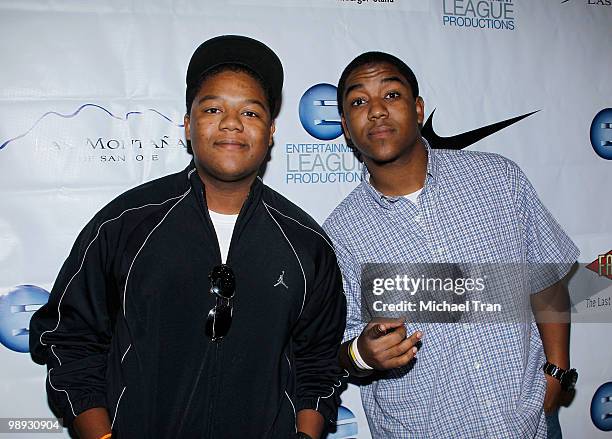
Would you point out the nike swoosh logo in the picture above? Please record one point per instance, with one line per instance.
(463, 140)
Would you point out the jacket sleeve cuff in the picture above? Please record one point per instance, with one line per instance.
(328, 407)
(78, 406)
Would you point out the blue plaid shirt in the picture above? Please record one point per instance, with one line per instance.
(469, 380)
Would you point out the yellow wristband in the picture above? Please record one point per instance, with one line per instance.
(106, 436)
(360, 362)
(352, 354)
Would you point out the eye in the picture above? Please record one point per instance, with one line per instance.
(212, 110)
(392, 95)
(357, 102)
(249, 113)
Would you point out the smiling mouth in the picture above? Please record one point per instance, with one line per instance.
(230, 144)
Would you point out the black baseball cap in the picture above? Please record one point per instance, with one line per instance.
(240, 50)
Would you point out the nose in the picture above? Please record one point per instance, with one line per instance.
(231, 121)
(377, 109)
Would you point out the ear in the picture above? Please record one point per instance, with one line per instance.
(344, 128)
(420, 109)
(186, 122)
(272, 130)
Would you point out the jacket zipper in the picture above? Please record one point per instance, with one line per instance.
(216, 368)
(214, 378)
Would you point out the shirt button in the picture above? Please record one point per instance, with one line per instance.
(477, 365)
(488, 403)
(417, 218)
(441, 250)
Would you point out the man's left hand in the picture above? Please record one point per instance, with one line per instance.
(552, 398)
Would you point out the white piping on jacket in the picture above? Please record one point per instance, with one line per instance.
(294, 252)
(117, 408)
(306, 227)
(293, 407)
(59, 315)
(145, 242)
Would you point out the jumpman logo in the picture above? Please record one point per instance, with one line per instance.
(281, 280)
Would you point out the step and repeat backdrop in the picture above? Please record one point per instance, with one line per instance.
(92, 103)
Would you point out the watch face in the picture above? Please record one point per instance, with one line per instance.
(569, 379)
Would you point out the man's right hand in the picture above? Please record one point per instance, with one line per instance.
(384, 345)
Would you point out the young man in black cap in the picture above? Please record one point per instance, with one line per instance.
(202, 304)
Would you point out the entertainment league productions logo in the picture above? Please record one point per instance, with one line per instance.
(479, 14)
(120, 143)
(346, 425)
(313, 163)
(601, 407)
(319, 112)
(601, 134)
(16, 309)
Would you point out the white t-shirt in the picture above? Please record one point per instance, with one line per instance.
(413, 196)
(224, 227)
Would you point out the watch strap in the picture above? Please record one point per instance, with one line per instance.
(567, 378)
(553, 370)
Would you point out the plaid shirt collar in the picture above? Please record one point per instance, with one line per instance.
(385, 201)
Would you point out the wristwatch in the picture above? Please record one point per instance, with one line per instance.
(567, 378)
(301, 435)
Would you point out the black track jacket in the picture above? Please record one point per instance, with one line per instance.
(124, 327)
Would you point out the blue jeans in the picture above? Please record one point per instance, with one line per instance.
(553, 426)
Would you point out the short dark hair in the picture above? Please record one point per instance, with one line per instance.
(192, 91)
(376, 58)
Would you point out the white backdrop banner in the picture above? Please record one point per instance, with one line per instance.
(92, 103)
